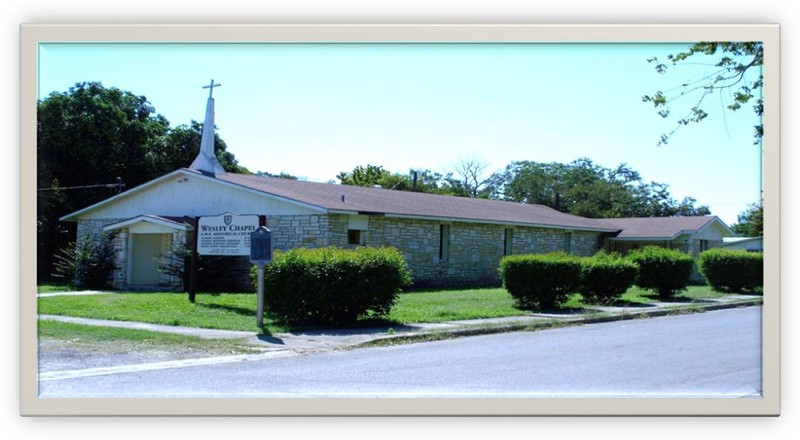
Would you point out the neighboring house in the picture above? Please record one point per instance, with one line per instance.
(750, 244)
(687, 234)
(446, 240)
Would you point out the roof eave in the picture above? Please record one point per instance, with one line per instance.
(642, 238)
(72, 217)
(490, 222)
(149, 219)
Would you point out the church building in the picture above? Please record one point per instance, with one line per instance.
(446, 240)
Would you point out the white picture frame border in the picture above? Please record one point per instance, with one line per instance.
(32, 35)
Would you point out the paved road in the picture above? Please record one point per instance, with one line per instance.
(709, 354)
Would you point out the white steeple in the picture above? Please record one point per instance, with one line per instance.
(206, 161)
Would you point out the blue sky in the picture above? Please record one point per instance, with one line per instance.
(314, 110)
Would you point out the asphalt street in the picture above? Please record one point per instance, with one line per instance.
(712, 354)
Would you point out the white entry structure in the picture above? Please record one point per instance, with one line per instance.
(142, 244)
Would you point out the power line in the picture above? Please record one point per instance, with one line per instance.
(119, 185)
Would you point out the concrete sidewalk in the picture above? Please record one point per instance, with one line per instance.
(331, 339)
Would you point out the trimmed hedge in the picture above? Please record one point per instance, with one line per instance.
(665, 271)
(333, 286)
(541, 281)
(605, 277)
(732, 270)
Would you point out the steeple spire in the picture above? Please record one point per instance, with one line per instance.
(206, 161)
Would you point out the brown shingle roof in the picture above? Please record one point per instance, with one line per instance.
(328, 197)
(404, 203)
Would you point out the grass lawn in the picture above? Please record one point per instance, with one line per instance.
(87, 335)
(54, 286)
(452, 305)
(226, 311)
(236, 311)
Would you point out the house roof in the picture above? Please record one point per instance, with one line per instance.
(662, 228)
(346, 199)
(356, 199)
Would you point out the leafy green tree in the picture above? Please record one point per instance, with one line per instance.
(369, 175)
(738, 72)
(179, 147)
(751, 222)
(589, 190)
(281, 175)
(87, 138)
(426, 180)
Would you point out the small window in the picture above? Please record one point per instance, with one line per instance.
(508, 242)
(703, 245)
(444, 242)
(356, 237)
(568, 242)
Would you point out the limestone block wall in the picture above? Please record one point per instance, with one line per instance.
(474, 250)
(290, 231)
(95, 226)
(544, 240)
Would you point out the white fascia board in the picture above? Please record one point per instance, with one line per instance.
(643, 238)
(718, 221)
(489, 222)
(262, 193)
(74, 216)
(148, 219)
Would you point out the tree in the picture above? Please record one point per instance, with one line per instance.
(179, 147)
(589, 190)
(369, 175)
(733, 74)
(751, 222)
(281, 175)
(87, 138)
(426, 181)
(470, 179)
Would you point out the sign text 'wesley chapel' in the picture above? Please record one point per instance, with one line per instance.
(226, 234)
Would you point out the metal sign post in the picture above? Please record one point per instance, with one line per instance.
(260, 255)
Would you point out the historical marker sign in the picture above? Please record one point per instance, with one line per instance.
(227, 234)
(261, 246)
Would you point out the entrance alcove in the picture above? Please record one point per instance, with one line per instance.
(145, 241)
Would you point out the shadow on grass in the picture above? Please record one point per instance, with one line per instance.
(565, 310)
(233, 309)
(268, 338)
(369, 326)
(624, 303)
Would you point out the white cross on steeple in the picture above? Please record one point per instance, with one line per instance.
(211, 88)
(206, 161)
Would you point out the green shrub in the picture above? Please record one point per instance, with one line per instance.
(540, 281)
(732, 270)
(87, 263)
(605, 277)
(333, 286)
(665, 271)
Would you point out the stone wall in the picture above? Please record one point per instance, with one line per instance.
(290, 231)
(474, 249)
(541, 240)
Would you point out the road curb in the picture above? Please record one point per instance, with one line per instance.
(477, 330)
